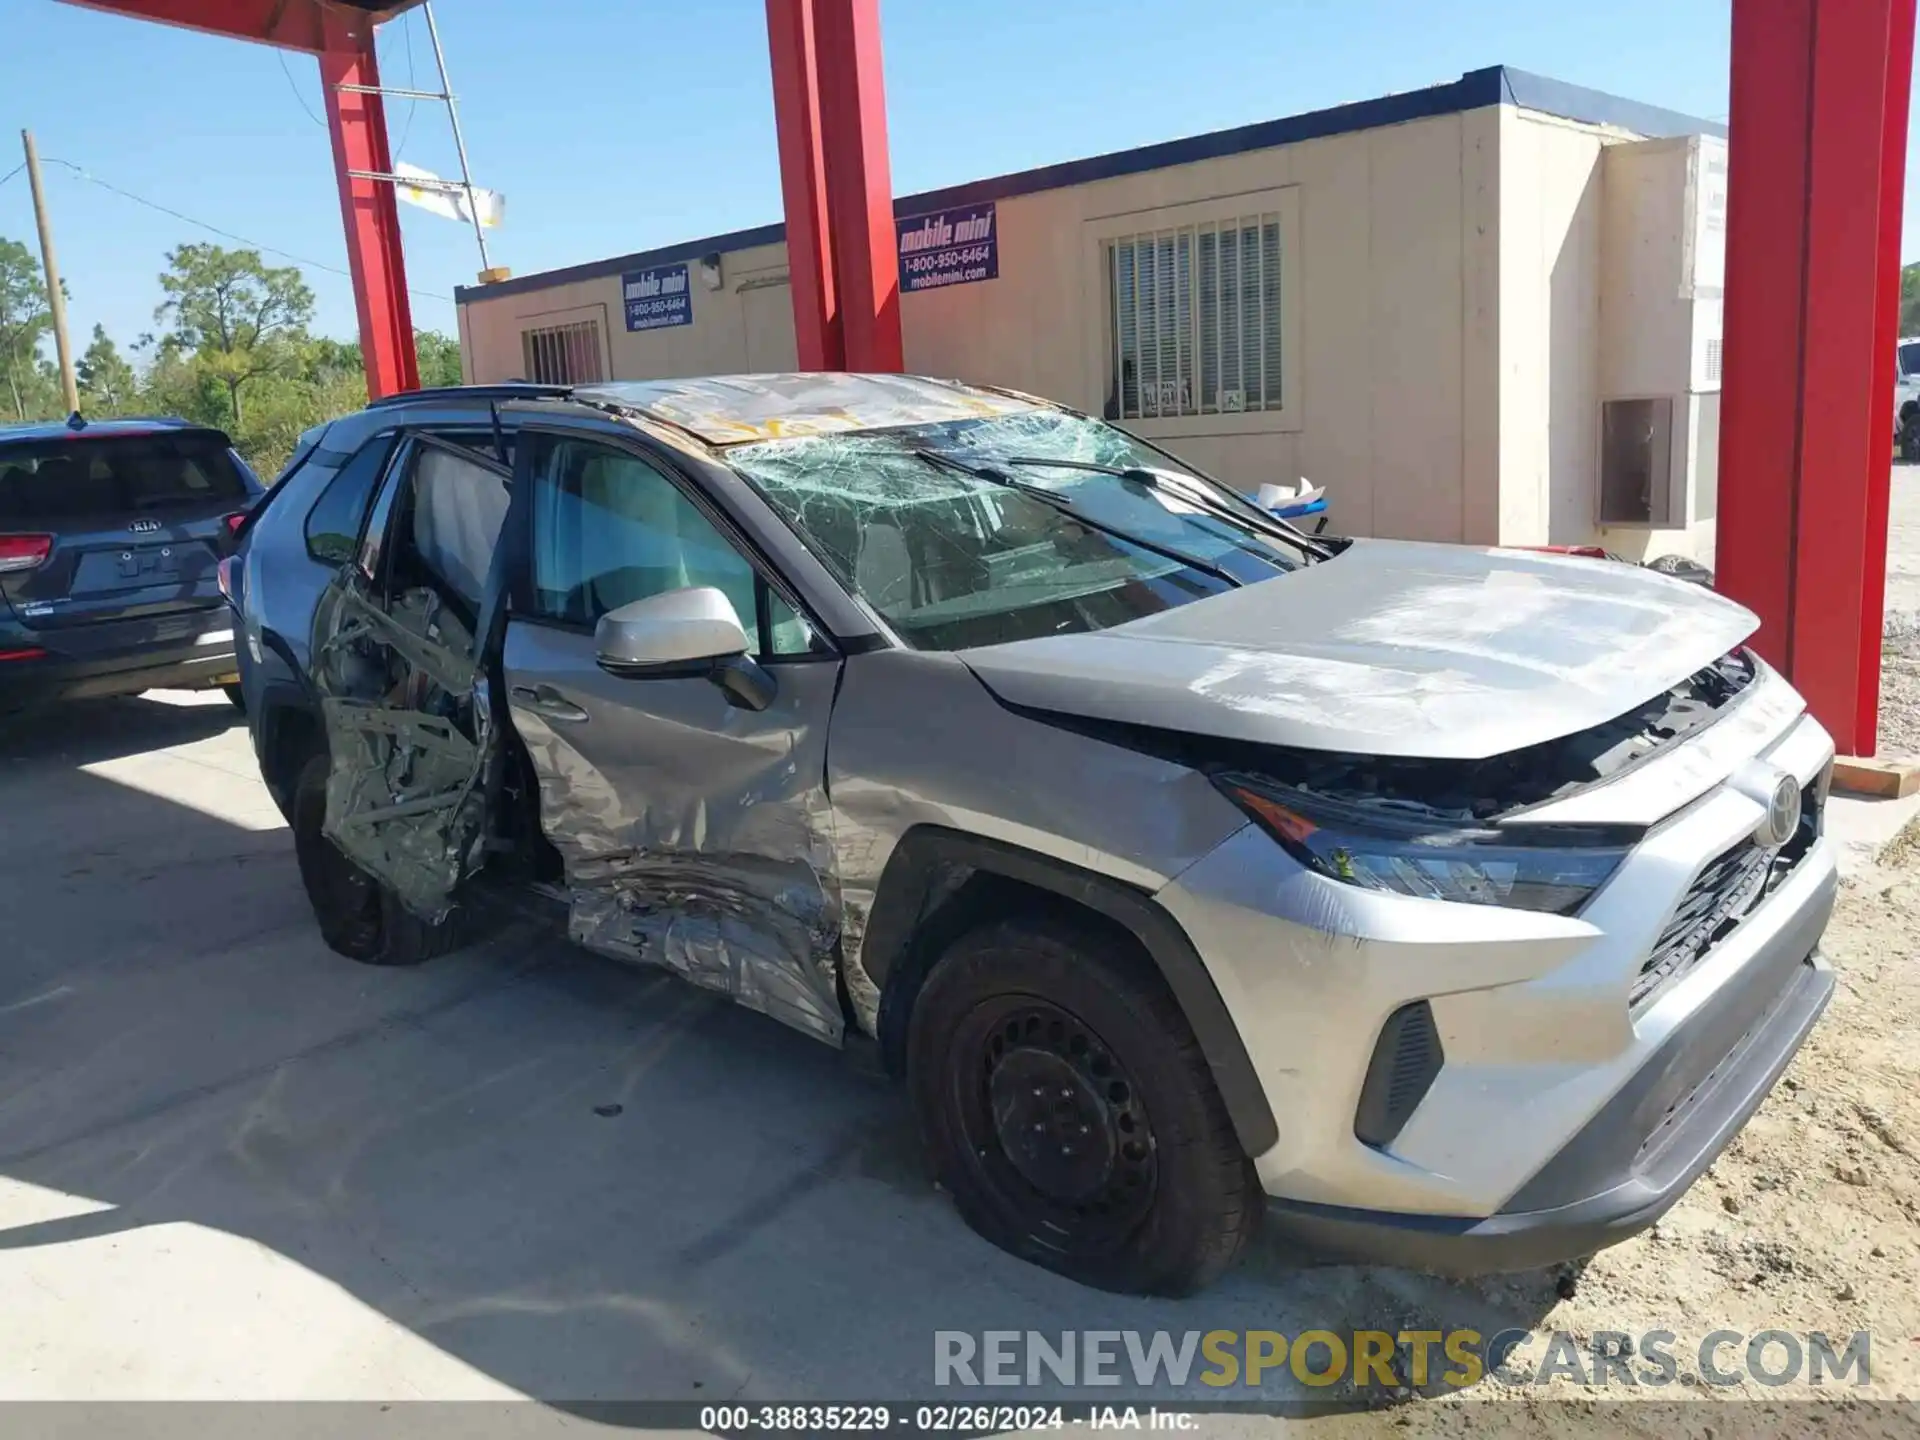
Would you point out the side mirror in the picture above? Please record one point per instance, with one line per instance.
(688, 632)
(680, 629)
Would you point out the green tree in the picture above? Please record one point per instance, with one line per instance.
(326, 357)
(439, 357)
(172, 382)
(241, 318)
(24, 319)
(1910, 299)
(107, 382)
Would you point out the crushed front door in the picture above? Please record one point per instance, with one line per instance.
(395, 659)
(694, 833)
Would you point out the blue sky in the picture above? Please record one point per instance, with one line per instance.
(614, 125)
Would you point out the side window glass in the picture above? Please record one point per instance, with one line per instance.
(333, 525)
(789, 633)
(458, 509)
(609, 529)
(481, 442)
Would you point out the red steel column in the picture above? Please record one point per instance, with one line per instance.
(1893, 178)
(803, 184)
(859, 183)
(358, 125)
(1803, 468)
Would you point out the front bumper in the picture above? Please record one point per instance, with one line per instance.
(1560, 1117)
(1591, 1195)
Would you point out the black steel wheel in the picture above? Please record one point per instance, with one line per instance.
(1070, 1112)
(1054, 1124)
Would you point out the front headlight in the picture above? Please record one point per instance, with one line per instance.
(1408, 851)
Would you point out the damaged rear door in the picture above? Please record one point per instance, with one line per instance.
(691, 814)
(402, 693)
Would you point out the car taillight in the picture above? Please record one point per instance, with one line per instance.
(31, 652)
(224, 572)
(24, 552)
(235, 521)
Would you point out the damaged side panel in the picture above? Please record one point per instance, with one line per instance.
(695, 835)
(408, 734)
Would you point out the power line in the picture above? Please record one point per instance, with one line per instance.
(13, 172)
(406, 129)
(406, 30)
(226, 234)
(280, 55)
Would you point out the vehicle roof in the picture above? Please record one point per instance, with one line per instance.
(99, 429)
(735, 409)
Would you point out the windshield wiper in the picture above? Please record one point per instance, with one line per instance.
(1194, 490)
(1066, 507)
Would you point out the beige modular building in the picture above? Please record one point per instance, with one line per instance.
(1487, 311)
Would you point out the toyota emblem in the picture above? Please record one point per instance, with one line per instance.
(1783, 813)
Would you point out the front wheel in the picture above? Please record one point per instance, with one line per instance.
(1067, 1107)
(359, 917)
(1910, 442)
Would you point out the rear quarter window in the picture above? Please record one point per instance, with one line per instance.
(333, 525)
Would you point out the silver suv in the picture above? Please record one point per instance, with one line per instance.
(1442, 906)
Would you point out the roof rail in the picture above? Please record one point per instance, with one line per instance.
(511, 390)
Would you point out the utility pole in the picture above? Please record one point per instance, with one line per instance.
(56, 302)
(459, 140)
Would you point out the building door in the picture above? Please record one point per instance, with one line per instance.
(769, 317)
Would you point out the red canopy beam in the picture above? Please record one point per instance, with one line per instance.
(1816, 169)
(340, 34)
(866, 255)
(830, 109)
(290, 24)
(794, 48)
(357, 123)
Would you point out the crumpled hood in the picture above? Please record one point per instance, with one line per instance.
(1390, 648)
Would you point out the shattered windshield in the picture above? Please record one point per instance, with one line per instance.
(953, 559)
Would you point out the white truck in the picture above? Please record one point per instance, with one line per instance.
(1906, 401)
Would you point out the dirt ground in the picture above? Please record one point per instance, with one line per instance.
(1809, 1222)
(1900, 684)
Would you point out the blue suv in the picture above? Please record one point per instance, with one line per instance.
(111, 533)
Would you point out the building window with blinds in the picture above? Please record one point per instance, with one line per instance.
(1195, 317)
(563, 354)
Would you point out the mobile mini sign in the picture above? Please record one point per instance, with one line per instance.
(658, 297)
(948, 247)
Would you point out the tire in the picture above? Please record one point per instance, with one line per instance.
(359, 917)
(1163, 1200)
(1910, 442)
(235, 697)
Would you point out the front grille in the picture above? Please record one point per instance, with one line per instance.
(1406, 1060)
(1719, 899)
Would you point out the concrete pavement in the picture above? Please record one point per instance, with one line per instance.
(235, 1165)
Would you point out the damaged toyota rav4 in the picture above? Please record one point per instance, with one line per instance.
(1437, 906)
